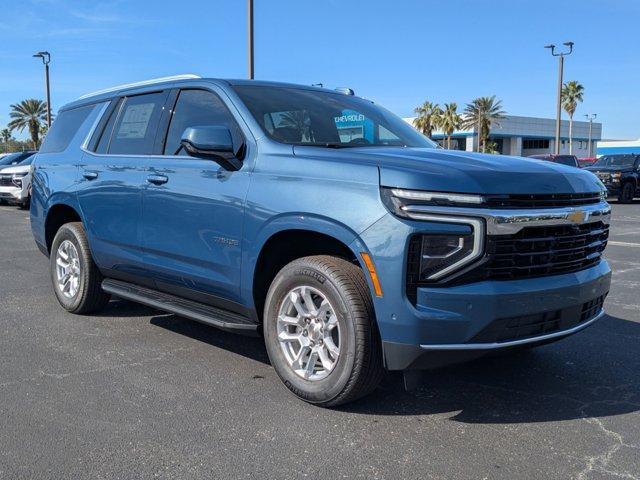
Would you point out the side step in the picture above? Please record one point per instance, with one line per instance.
(223, 319)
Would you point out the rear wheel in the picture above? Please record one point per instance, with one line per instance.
(627, 193)
(320, 331)
(77, 282)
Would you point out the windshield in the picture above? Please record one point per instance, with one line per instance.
(27, 161)
(621, 161)
(12, 159)
(298, 116)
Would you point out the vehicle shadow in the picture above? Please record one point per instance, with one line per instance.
(118, 308)
(246, 346)
(591, 374)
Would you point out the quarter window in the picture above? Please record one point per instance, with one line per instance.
(135, 129)
(198, 108)
(64, 129)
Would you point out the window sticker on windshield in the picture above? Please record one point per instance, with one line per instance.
(135, 121)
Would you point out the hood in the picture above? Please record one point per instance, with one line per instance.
(15, 169)
(464, 172)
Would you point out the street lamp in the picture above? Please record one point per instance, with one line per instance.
(250, 37)
(46, 58)
(560, 56)
(591, 117)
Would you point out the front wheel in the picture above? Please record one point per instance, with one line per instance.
(627, 193)
(320, 331)
(77, 282)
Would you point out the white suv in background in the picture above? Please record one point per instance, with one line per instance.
(15, 183)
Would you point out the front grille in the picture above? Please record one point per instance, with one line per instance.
(541, 200)
(5, 181)
(542, 251)
(528, 326)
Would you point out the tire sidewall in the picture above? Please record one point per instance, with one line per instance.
(67, 232)
(628, 190)
(318, 391)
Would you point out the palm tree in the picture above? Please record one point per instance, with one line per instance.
(5, 135)
(450, 121)
(483, 112)
(29, 114)
(572, 93)
(427, 118)
(298, 120)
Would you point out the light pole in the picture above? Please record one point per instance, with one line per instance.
(560, 56)
(591, 117)
(250, 36)
(46, 58)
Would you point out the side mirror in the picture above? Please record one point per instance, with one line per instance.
(213, 142)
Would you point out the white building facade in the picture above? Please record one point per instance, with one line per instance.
(525, 136)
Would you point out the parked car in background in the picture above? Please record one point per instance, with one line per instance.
(620, 173)
(587, 161)
(15, 158)
(319, 220)
(570, 160)
(15, 182)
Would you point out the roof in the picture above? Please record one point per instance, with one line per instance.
(107, 93)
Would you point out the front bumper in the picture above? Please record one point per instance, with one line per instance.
(613, 189)
(12, 194)
(460, 322)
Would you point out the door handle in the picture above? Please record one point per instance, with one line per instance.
(157, 179)
(89, 175)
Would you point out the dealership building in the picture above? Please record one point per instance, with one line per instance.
(525, 136)
(609, 147)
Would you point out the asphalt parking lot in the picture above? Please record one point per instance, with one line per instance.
(136, 393)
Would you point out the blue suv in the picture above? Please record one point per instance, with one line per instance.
(318, 220)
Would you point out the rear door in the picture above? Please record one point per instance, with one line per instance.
(112, 176)
(193, 208)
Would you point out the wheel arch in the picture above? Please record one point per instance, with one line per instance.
(57, 215)
(284, 241)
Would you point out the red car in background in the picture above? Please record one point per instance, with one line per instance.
(587, 161)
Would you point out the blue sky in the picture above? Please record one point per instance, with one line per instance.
(398, 53)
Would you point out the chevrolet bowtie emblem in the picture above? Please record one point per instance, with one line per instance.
(577, 216)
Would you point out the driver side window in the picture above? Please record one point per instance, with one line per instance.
(195, 108)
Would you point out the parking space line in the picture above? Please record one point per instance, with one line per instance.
(623, 244)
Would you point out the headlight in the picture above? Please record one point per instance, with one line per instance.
(440, 254)
(16, 179)
(615, 176)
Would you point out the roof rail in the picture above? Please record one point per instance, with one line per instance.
(141, 84)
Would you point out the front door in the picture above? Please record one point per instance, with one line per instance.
(193, 209)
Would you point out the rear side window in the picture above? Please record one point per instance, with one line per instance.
(136, 125)
(64, 129)
(198, 108)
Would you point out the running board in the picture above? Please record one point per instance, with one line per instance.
(216, 317)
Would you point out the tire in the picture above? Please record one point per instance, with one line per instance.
(82, 293)
(25, 204)
(627, 193)
(347, 313)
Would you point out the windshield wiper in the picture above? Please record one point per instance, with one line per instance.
(326, 145)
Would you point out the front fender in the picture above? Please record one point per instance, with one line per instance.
(293, 221)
